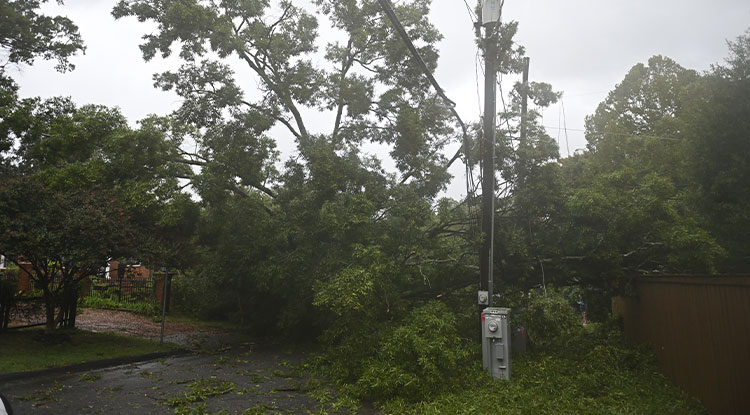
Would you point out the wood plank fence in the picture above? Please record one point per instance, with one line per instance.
(699, 327)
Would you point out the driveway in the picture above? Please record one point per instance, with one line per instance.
(225, 375)
(233, 380)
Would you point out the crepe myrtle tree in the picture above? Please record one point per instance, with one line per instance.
(66, 236)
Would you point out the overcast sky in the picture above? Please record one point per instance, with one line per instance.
(582, 47)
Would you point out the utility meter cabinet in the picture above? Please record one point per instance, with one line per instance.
(496, 342)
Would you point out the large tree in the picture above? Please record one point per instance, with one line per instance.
(661, 188)
(716, 131)
(366, 81)
(26, 35)
(251, 65)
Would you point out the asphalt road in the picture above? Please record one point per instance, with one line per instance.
(234, 379)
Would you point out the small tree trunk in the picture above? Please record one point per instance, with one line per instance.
(241, 308)
(49, 306)
(73, 311)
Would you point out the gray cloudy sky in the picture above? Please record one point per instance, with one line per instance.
(581, 47)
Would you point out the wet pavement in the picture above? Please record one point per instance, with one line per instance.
(232, 378)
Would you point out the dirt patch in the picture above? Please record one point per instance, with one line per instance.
(123, 322)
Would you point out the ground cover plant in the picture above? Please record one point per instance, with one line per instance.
(141, 307)
(30, 349)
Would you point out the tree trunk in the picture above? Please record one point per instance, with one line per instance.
(49, 306)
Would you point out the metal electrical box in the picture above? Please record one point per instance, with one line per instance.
(491, 12)
(496, 342)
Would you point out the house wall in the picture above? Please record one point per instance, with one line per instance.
(138, 272)
(25, 284)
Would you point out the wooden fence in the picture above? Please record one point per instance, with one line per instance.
(699, 327)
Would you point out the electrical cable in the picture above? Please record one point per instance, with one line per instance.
(656, 137)
(386, 5)
(473, 15)
(565, 125)
(476, 81)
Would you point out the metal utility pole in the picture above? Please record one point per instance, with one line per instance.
(490, 21)
(496, 353)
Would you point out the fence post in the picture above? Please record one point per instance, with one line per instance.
(168, 292)
(164, 304)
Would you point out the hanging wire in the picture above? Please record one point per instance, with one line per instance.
(565, 125)
(386, 5)
(473, 15)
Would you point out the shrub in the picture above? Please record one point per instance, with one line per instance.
(144, 308)
(422, 357)
(550, 320)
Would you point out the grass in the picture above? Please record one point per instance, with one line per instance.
(31, 349)
(178, 317)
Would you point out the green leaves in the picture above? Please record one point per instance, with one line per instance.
(26, 35)
(420, 358)
(642, 102)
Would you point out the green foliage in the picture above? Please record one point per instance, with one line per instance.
(596, 374)
(90, 377)
(40, 396)
(82, 187)
(193, 402)
(421, 357)
(143, 308)
(550, 320)
(25, 35)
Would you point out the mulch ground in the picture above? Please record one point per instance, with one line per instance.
(124, 322)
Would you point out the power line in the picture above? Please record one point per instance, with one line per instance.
(505, 109)
(386, 5)
(476, 81)
(656, 137)
(565, 125)
(473, 15)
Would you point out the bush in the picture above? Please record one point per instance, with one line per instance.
(144, 308)
(424, 356)
(550, 320)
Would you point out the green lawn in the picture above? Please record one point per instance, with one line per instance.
(31, 349)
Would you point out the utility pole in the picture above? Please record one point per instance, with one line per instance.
(490, 21)
(496, 353)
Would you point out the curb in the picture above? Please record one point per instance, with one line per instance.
(92, 365)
